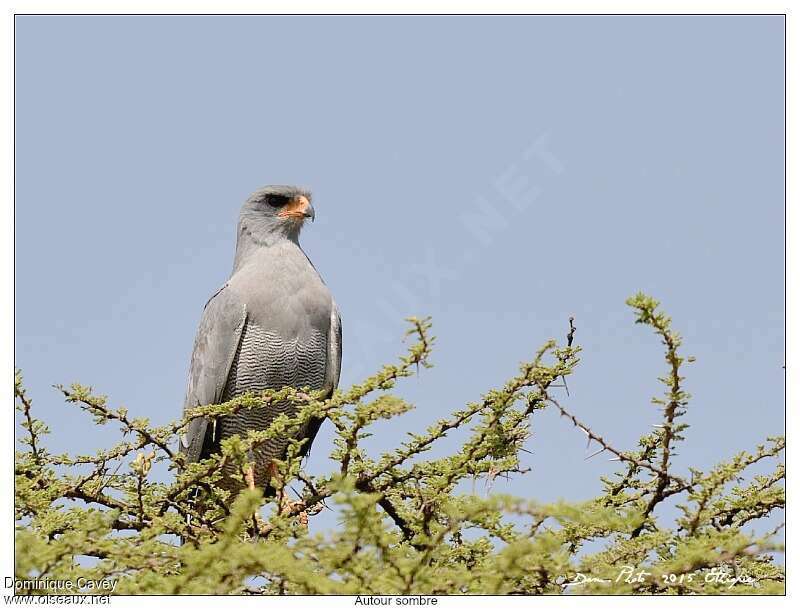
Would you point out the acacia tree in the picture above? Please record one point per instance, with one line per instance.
(405, 527)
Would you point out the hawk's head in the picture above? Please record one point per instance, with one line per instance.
(276, 210)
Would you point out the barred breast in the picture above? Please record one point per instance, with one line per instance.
(266, 361)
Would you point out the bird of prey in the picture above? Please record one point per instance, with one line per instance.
(273, 324)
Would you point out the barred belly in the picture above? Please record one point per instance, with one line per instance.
(266, 361)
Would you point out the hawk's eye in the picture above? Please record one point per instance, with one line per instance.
(275, 201)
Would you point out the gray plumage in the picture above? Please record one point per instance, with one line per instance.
(273, 324)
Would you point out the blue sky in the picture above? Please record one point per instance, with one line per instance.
(499, 174)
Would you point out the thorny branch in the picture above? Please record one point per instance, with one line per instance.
(416, 541)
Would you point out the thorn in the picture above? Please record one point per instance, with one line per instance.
(615, 459)
(588, 441)
(595, 453)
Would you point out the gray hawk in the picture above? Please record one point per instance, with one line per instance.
(273, 324)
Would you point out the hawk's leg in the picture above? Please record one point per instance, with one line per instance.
(272, 471)
(250, 479)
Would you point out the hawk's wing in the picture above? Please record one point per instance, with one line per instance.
(215, 346)
(333, 369)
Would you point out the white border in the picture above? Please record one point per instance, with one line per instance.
(408, 6)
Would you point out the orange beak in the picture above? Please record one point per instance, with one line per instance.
(298, 208)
